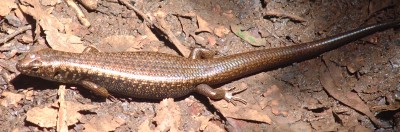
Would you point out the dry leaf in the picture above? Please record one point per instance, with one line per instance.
(104, 123)
(6, 6)
(199, 40)
(203, 25)
(64, 42)
(221, 31)
(73, 109)
(236, 112)
(168, 116)
(348, 98)
(248, 36)
(43, 117)
(10, 99)
(47, 117)
(53, 29)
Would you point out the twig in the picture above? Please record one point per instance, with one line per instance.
(163, 27)
(81, 17)
(62, 112)
(12, 35)
(284, 15)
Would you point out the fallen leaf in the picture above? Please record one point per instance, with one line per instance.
(221, 31)
(199, 40)
(64, 42)
(248, 36)
(53, 29)
(168, 116)
(73, 109)
(6, 6)
(203, 25)
(10, 99)
(47, 116)
(43, 117)
(104, 123)
(236, 112)
(348, 98)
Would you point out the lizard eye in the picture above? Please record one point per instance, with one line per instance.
(35, 65)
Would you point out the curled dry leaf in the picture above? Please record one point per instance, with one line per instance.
(9, 98)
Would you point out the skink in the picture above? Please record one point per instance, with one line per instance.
(154, 75)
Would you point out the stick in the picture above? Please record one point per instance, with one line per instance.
(162, 27)
(17, 32)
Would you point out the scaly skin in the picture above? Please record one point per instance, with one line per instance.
(154, 75)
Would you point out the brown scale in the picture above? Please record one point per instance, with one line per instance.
(157, 75)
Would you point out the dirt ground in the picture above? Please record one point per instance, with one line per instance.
(353, 88)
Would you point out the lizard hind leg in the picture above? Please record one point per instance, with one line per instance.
(218, 94)
(201, 53)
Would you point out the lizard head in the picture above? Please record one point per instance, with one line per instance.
(37, 64)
